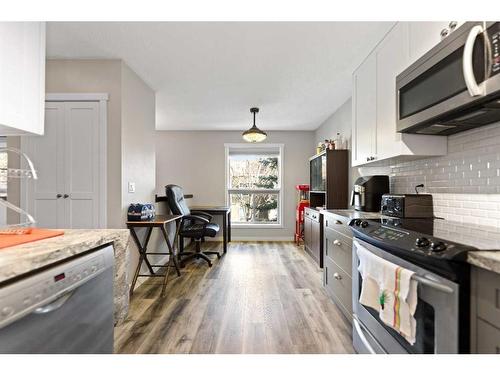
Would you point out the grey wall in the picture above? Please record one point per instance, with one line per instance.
(137, 151)
(195, 160)
(137, 140)
(339, 122)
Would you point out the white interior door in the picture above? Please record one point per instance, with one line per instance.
(81, 164)
(67, 158)
(44, 200)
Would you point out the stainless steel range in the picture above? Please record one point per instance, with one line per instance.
(442, 313)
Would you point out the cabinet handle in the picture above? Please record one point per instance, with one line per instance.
(444, 33)
(337, 276)
(58, 195)
(452, 25)
(65, 196)
(339, 222)
(337, 242)
(326, 275)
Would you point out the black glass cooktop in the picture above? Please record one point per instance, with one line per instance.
(416, 240)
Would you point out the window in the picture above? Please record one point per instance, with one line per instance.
(253, 175)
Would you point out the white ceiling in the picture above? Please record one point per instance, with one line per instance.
(208, 75)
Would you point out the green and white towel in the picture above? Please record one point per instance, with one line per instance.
(390, 290)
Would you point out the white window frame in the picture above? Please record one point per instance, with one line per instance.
(3, 143)
(279, 191)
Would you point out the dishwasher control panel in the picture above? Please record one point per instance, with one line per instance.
(31, 294)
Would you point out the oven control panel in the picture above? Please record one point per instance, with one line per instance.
(389, 234)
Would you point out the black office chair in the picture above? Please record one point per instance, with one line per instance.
(194, 224)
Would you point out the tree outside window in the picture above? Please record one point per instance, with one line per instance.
(254, 187)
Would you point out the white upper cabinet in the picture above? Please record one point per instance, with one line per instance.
(374, 134)
(22, 77)
(364, 126)
(392, 56)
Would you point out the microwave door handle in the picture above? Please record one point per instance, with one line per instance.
(467, 66)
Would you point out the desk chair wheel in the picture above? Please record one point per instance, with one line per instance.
(197, 255)
(213, 253)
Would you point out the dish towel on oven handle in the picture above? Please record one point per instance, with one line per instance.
(389, 289)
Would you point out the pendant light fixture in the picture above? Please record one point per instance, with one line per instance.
(254, 134)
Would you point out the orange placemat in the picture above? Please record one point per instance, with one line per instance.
(8, 240)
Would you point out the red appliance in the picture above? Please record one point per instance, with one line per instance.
(303, 202)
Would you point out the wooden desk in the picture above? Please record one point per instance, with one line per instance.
(223, 211)
(160, 221)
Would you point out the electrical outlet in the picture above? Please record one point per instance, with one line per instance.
(131, 187)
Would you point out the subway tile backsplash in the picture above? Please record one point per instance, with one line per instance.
(465, 183)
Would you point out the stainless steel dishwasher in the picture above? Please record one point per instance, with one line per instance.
(64, 309)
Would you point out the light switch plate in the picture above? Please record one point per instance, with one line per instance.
(131, 187)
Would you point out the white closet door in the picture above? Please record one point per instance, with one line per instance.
(66, 157)
(45, 201)
(81, 164)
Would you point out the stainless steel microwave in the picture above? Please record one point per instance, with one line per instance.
(455, 86)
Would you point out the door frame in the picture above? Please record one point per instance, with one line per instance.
(102, 99)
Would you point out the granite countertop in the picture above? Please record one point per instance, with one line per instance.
(19, 260)
(485, 239)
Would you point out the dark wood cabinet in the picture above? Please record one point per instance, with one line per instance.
(313, 234)
(328, 179)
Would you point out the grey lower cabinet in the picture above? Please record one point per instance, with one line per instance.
(313, 234)
(485, 311)
(337, 255)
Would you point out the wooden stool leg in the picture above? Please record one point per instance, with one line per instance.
(142, 256)
(173, 256)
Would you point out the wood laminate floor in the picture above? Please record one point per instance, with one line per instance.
(262, 297)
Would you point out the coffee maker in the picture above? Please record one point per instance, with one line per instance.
(367, 192)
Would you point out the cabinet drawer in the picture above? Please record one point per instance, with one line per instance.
(312, 214)
(339, 224)
(488, 296)
(339, 286)
(336, 235)
(338, 249)
(488, 338)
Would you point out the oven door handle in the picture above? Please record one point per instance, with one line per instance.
(362, 336)
(433, 284)
(467, 66)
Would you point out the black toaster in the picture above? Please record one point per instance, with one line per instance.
(407, 205)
